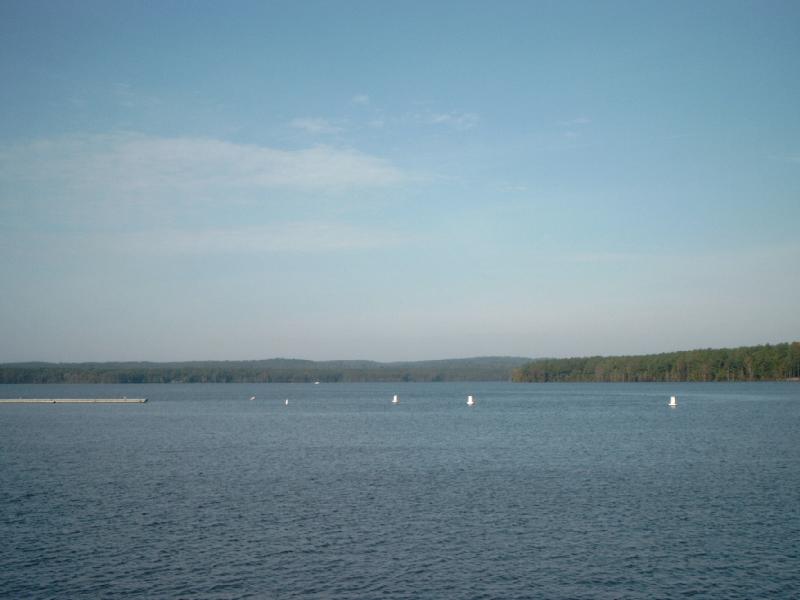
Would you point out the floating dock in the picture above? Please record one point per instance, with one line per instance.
(73, 400)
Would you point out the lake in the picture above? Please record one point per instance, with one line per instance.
(538, 491)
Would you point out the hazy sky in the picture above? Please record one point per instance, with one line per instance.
(396, 180)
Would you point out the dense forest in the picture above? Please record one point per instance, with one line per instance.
(277, 370)
(752, 363)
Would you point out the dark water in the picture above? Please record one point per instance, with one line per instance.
(540, 491)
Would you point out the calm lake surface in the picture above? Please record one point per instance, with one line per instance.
(539, 491)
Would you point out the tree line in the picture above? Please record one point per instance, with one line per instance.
(264, 371)
(754, 363)
(751, 363)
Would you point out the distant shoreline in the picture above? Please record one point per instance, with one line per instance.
(777, 362)
(279, 370)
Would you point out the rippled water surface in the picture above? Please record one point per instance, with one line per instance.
(539, 491)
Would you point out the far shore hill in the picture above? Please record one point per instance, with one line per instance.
(776, 362)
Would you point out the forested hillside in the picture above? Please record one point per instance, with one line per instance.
(752, 363)
(276, 370)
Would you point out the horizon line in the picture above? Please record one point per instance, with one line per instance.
(387, 362)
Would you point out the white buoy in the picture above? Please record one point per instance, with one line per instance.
(395, 399)
(252, 397)
(673, 401)
(286, 402)
(470, 401)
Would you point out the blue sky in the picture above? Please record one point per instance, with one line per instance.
(411, 180)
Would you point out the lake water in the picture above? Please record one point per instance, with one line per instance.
(539, 491)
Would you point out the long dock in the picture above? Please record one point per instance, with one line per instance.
(73, 400)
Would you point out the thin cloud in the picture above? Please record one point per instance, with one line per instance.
(361, 99)
(285, 238)
(293, 237)
(572, 127)
(315, 125)
(512, 187)
(456, 120)
(129, 97)
(130, 165)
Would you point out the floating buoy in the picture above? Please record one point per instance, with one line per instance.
(470, 401)
(252, 397)
(286, 402)
(395, 399)
(673, 401)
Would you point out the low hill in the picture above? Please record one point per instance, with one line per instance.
(276, 370)
(751, 363)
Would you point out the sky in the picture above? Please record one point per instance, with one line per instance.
(396, 180)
